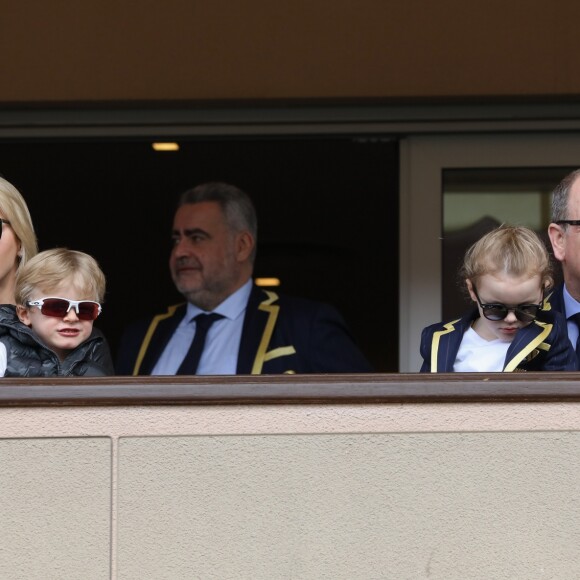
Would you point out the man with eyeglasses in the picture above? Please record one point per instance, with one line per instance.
(229, 325)
(564, 232)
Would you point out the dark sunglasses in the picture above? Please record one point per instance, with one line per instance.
(498, 311)
(58, 307)
(2, 222)
(568, 222)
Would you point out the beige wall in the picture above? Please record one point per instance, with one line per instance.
(312, 490)
(105, 50)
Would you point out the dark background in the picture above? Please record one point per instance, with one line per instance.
(327, 209)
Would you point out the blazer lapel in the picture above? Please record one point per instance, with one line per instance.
(446, 342)
(157, 336)
(259, 322)
(526, 341)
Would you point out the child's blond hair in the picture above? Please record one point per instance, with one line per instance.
(514, 250)
(48, 269)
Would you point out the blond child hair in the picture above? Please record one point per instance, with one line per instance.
(514, 250)
(48, 269)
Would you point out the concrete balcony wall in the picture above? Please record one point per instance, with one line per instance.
(383, 476)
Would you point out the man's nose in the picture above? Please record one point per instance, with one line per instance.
(182, 247)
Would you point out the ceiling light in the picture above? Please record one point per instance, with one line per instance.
(165, 146)
(267, 281)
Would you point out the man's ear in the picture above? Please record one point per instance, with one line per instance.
(244, 246)
(557, 239)
(23, 315)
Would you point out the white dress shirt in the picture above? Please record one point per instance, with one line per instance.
(571, 307)
(222, 343)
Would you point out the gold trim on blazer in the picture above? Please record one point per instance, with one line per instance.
(435, 344)
(538, 342)
(145, 344)
(280, 351)
(262, 355)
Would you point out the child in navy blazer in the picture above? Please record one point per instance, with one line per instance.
(507, 274)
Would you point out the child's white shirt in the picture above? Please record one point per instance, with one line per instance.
(479, 355)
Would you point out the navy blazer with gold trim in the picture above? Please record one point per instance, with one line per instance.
(281, 334)
(543, 345)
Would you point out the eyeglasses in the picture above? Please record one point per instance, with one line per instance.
(568, 222)
(498, 311)
(59, 307)
(2, 222)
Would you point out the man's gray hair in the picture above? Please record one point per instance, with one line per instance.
(237, 206)
(560, 197)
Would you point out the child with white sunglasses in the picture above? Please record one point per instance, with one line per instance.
(50, 330)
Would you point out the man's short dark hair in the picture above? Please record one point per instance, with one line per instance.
(236, 205)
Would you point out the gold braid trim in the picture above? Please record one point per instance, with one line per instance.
(435, 344)
(145, 344)
(536, 343)
(273, 311)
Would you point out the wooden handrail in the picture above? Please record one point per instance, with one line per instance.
(294, 389)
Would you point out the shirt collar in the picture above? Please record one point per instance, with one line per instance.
(232, 307)
(571, 306)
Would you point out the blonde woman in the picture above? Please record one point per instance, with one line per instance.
(17, 239)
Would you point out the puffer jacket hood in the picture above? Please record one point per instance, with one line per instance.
(28, 356)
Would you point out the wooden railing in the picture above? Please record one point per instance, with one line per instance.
(296, 389)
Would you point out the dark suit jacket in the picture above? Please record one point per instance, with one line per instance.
(281, 334)
(543, 345)
(555, 301)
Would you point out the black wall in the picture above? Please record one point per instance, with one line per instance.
(327, 208)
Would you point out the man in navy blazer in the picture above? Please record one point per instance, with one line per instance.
(258, 331)
(564, 232)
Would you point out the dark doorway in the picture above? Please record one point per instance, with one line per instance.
(327, 208)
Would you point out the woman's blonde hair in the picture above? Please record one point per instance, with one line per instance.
(515, 250)
(48, 269)
(14, 209)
